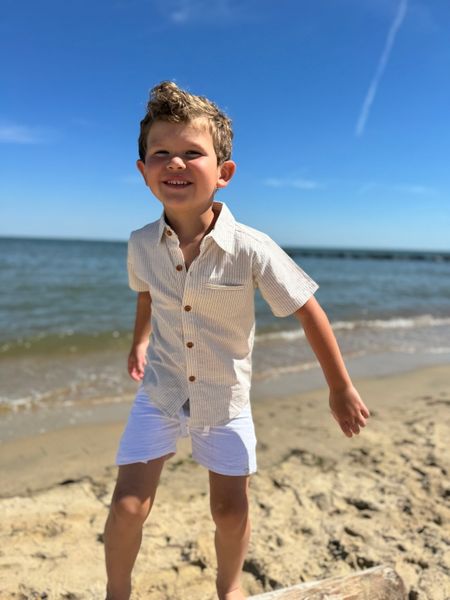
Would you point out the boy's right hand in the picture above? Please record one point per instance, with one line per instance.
(137, 359)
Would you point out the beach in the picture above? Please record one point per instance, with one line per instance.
(321, 504)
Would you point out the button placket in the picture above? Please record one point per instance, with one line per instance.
(177, 260)
(188, 324)
(179, 275)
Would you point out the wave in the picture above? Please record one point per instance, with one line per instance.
(394, 323)
(75, 344)
(297, 367)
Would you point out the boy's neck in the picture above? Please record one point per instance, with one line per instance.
(190, 226)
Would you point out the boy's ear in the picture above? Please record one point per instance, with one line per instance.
(141, 168)
(226, 172)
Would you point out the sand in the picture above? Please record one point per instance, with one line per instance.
(321, 504)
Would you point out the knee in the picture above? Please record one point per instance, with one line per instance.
(129, 510)
(230, 517)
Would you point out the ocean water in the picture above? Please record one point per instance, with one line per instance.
(66, 316)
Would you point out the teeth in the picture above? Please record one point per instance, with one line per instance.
(178, 182)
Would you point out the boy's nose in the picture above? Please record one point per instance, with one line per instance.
(175, 162)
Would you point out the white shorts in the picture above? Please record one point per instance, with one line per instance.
(228, 449)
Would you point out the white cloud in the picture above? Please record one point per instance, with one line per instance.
(373, 87)
(422, 14)
(11, 133)
(181, 12)
(412, 189)
(417, 190)
(301, 184)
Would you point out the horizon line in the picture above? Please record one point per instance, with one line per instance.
(289, 246)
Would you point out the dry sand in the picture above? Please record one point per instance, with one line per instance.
(321, 504)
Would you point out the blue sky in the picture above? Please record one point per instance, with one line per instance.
(340, 112)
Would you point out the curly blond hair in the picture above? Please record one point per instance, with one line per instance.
(170, 103)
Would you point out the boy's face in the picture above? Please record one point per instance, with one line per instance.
(181, 167)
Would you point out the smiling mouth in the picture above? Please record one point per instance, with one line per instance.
(174, 183)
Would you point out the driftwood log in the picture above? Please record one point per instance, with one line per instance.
(377, 583)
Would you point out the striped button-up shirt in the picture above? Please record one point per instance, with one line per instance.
(203, 319)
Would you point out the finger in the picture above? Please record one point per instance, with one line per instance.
(346, 429)
(134, 373)
(355, 428)
(365, 412)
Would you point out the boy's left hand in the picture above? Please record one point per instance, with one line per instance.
(349, 410)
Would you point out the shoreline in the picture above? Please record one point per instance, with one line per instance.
(321, 504)
(39, 436)
(40, 420)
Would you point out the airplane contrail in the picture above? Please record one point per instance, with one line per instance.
(396, 24)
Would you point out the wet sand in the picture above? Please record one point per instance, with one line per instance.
(321, 504)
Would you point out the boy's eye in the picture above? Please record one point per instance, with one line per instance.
(188, 153)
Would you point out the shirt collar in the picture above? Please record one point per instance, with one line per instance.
(222, 233)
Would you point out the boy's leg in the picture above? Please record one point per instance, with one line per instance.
(230, 512)
(131, 503)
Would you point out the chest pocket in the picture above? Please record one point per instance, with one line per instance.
(233, 301)
(229, 287)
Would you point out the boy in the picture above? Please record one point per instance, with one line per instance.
(195, 271)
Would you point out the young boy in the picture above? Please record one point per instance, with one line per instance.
(195, 271)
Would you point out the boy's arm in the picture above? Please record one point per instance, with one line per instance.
(345, 403)
(137, 357)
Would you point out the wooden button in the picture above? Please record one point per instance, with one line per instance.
(189, 344)
(168, 232)
(188, 308)
(192, 378)
(179, 267)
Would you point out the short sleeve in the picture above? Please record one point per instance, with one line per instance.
(135, 283)
(283, 284)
